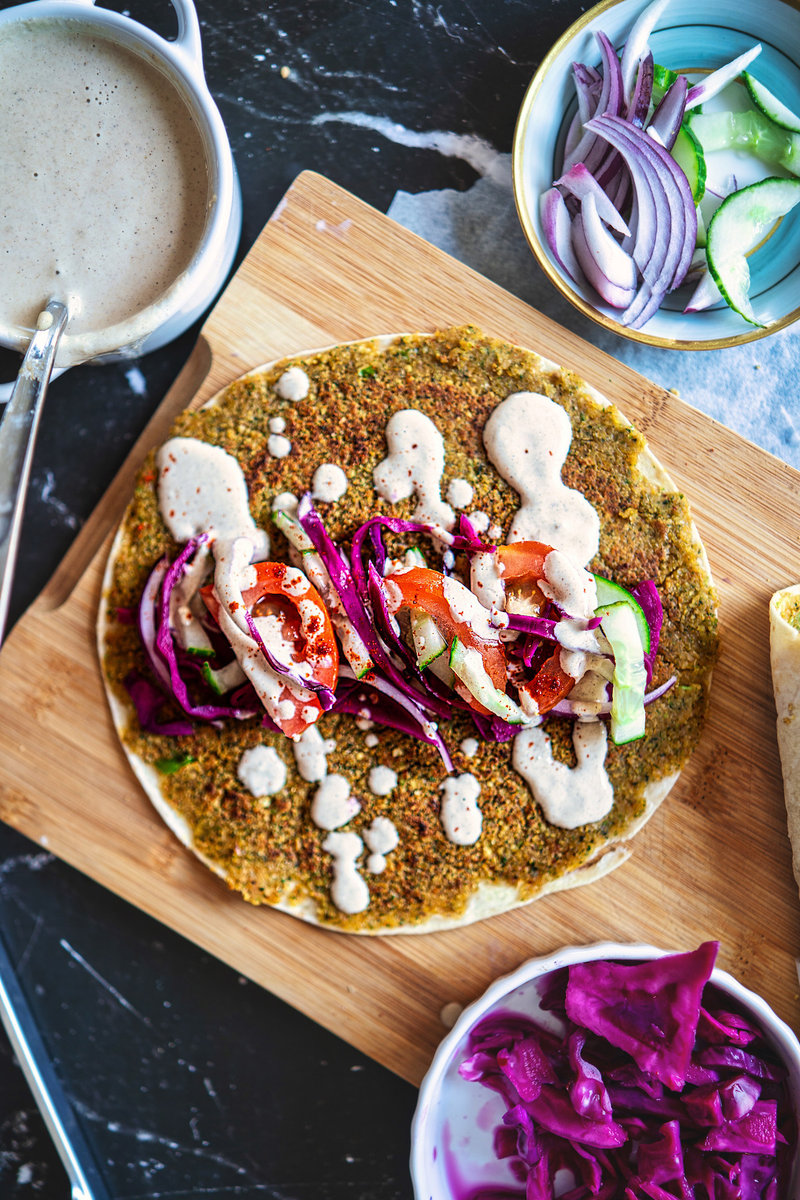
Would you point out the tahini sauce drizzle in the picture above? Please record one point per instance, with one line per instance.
(414, 465)
(527, 438)
(569, 796)
(107, 213)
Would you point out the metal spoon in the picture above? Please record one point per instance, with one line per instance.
(18, 430)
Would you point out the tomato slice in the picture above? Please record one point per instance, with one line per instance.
(550, 684)
(424, 589)
(301, 626)
(523, 562)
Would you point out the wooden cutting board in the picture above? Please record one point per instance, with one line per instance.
(713, 863)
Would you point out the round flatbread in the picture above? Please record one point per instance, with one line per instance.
(400, 857)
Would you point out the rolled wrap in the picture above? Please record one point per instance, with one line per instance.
(784, 647)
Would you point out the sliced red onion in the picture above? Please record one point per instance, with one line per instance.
(704, 295)
(582, 183)
(666, 120)
(576, 709)
(614, 262)
(557, 227)
(588, 86)
(323, 693)
(717, 80)
(609, 100)
(606, 288)
(637, 44)
(656, 177)
(639, 103)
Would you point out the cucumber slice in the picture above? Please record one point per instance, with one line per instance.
(663, 79)
(750, 130)
(609, 592)
(467, 664)
(630, 677)
(688, 154)
(428, 641)
(736, 227)
(770, 105)
(293, 531)
(223, 679)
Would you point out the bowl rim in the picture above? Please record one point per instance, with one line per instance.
(751, 334)
(776, 1030)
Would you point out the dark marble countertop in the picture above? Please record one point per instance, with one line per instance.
(187, 1079)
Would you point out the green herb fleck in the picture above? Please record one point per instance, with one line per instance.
(168, 766)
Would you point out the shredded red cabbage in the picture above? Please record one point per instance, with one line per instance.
(148, 702)
(611, 1096)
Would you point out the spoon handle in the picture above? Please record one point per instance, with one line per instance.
(17, 437)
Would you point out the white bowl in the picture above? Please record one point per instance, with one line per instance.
(689, 37)
(452, 1131)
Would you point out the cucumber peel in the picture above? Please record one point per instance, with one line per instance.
(467, 664)
(736, 227)
(628, 684)
(770, 105)
(688, 154)
(428, 641)
(609, 592)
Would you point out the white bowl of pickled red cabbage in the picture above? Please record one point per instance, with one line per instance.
(757, 257)
(612, 1067)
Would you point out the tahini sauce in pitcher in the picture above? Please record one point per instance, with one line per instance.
(105, 191)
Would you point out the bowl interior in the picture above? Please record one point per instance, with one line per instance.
(452, 1151)
(690, 37)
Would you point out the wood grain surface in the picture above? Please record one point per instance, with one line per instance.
(713, 863)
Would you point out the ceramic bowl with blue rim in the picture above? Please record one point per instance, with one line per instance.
(696, 40)
(454, 1136)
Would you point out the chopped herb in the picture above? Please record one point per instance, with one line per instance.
(168, 766)
(366, 372)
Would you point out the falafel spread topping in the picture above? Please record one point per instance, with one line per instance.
(451, 647)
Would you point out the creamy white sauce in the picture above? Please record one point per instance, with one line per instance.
(460, 815)
(527, 438)
(465, 606)
(486, 579)
(329, 483)
(311, 752)
(232, 576)
(333, 805)
(293, 384)
(349, 892)
(371, 740)
(262, 770)
(569, 585)
(568, 796)
(459, 493)
(201, 489)
(414, 467)
(572, 634)
(381, 838)
(276, 424)
(469, 747)
(278, 445)
(382, 780)
(479, 521)
(105, 190)
(590, 692)
(285, 502)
